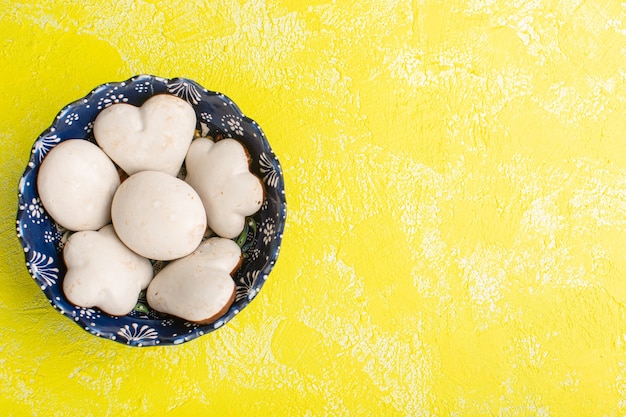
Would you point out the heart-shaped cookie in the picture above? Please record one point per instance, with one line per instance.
(153, 137)
(198, 287)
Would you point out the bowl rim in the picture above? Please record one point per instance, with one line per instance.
(130, 329)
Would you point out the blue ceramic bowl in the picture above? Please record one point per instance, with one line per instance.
(43, 239)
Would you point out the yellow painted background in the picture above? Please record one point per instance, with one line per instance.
(456, 184)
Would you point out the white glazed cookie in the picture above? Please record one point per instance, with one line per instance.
(76, 183)
(102, 272)
(220, 173)
(158, 216)
(153, 137)
(198, 287)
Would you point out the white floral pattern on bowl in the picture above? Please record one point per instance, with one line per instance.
(42, 239)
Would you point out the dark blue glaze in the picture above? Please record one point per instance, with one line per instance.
(43, 239)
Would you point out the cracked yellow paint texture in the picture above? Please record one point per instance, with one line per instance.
(456, 185)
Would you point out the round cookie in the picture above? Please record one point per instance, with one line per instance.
(76, 183)
(158, 216)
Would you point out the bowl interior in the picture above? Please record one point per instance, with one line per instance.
(43, 239)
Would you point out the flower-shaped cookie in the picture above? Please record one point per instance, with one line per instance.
(220, 174)
(102, 272)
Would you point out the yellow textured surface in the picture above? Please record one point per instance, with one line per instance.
(456, 185)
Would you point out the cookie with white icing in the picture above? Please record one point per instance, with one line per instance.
(153, 137)
(198, 287)
(220, 173)
(158, 216)
(102, 272)
(76, 183)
